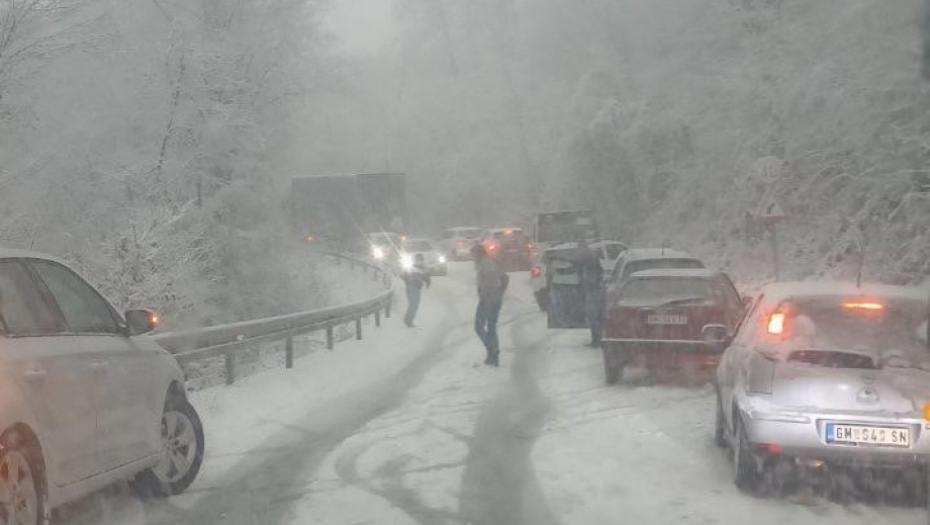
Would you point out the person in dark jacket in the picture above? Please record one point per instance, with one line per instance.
(414, 280)
(492, 283)
(592, 284)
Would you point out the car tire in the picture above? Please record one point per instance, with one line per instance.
(613, 363)
(19, 474)
(746, 475)
(720, 429)
(182, 454)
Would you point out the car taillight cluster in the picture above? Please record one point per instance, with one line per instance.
(536, 271)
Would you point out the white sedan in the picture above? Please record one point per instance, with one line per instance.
(88, 399)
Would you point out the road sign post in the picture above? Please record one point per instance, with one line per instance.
(770, 212)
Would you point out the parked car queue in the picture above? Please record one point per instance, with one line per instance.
(809, 378)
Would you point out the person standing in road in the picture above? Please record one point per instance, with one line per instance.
(592, 284)
(492, 283)
(414, 280)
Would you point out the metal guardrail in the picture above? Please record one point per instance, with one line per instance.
(228, 340)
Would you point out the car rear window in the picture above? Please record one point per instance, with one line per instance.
(656, 291)
(470, 234)
(838, 332)
(653, 264)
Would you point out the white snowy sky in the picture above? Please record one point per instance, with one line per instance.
(363, 26)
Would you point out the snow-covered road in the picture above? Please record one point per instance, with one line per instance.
(409, 427)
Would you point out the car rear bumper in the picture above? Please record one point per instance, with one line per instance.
(661, 345)
(665, 353)
(803, 441)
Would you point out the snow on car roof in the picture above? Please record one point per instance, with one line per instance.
(492, 230)
(777, 292)
(7, 253)
(656, 253)
(702, 273)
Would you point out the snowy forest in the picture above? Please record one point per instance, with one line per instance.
(151, 142)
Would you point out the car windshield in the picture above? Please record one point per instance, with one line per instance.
(662, 290)
(418, 246)
(892, 332)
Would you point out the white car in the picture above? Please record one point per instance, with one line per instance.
(88, 400)
(457, 243)
(433, 259)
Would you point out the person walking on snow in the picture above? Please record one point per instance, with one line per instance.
(414, 280)
(492, 283)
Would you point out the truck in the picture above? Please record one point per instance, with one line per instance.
(341, 210)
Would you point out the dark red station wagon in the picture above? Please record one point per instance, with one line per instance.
(669, 318)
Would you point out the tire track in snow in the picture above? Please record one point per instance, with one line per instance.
(499, 485)
(263, 487)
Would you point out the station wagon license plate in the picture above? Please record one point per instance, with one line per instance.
(839, 434)
(666, 319)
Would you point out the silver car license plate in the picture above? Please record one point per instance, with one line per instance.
(666, 319)
(840, 434)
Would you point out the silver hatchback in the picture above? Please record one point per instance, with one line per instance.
(826, 374)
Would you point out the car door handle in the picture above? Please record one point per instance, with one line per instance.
(35, 376)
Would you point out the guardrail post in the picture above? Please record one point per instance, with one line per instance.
(230, 368)
(378, 318)
(289, 352)
(358, 328)
(330, 340)
(387, 309)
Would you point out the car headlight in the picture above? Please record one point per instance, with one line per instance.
(377, 252)
(406, 261)
(442, 259)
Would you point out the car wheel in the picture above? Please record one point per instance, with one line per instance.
(182, 452)
(613, 363)
(720, 436)
(746, 474)
(21, 497)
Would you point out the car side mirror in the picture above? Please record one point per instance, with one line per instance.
(141, 321)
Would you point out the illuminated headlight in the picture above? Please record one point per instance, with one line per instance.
(406, 261)
(377, 252)
(442, 259)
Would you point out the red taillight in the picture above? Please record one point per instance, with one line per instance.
(864, 306)
(776, 324)
(536, 271)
